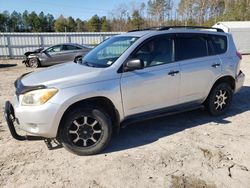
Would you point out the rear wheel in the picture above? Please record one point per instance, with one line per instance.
(34, 62)
(219, 99)
(86, 131)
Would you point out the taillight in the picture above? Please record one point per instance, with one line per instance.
(239, 55)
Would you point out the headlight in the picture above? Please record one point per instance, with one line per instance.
(38, 97)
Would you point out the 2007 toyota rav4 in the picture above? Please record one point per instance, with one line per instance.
(127, 78)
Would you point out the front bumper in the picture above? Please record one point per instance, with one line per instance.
(26, 61)
(239, 81)
(42, 121)
(11, 119)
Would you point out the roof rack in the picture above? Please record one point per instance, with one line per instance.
(162, 28)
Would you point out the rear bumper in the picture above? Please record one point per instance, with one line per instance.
(239, 81)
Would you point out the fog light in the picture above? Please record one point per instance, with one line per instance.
(32, 125)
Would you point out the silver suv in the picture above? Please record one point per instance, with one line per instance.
(131, 77)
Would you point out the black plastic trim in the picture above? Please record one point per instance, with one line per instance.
(21, 89)
(160, 113)
(162, 28)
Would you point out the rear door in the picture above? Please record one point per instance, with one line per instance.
(70, 52)
(199, 67)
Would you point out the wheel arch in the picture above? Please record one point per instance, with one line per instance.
(35, 57)
(104, 103)
(77, 56)
(229, 79)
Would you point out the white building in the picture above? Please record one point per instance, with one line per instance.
(241, 34)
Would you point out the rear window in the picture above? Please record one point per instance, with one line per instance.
(192, 47)
(219, 44)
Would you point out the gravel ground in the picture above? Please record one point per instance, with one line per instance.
(191, 149)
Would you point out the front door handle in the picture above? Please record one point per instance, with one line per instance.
(216, 65)
(173, 73)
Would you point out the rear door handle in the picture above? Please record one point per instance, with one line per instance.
(216, 65)
(173, 73)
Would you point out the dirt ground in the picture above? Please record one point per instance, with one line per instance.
(191, 149)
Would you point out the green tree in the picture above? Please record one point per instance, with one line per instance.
(42, 22)
(94, 24)
(104, 24)
(34, 22)
(80, 25)
(15, 21)
(7, 26)
(71, 24)
(50, 23)
(25, 20)
(3, 22)
(60, 24)
(136, 22)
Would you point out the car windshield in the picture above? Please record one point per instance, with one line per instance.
(106, 53)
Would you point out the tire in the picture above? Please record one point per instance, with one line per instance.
(85, 130)
(219, 99)
(34, 62)
(77, 59)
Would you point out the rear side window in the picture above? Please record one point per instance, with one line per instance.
(219, 44)
(192, 47)
(70, 47)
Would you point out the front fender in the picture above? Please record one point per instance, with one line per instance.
(109, 89)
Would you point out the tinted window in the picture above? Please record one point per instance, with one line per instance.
(192, 47)
(219, 44)
(70, 47)
(156, 52)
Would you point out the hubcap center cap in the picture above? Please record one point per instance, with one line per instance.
(220, 99)
(85, 132)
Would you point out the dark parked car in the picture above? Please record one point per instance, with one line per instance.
(60, 53)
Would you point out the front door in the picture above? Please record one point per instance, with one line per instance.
(53, 54)
(157, 85)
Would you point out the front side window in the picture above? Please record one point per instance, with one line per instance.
(192, 47)
(106, 53)
(157, 51)
(54, 49)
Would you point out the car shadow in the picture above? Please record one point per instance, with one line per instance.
(147, 132)
(7, 65)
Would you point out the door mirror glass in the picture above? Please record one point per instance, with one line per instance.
(134, 64)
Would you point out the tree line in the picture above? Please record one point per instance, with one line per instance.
(134, 16)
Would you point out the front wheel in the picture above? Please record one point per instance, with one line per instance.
(219, 99)
(86, 131)
(34, 62)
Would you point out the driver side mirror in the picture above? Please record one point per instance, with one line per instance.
(134, 64)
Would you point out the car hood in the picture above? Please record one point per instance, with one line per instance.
(63, 75)
(33, 52)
